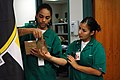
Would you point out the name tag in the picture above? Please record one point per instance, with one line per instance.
(40, 62)
(77, 55)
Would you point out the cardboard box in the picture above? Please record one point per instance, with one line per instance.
(29, 45)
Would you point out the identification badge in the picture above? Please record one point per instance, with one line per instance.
(1, 61)
(77, 55)
(40, 62)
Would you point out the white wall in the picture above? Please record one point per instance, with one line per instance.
(60, 9)
(76, 15)
(24, 11)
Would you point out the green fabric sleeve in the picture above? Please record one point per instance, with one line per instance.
(99, 61)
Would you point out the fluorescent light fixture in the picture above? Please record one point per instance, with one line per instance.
(52, 0)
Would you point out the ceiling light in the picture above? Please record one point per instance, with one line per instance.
(51, 0)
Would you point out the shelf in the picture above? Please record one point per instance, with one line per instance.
(60, 23)
(61, 29)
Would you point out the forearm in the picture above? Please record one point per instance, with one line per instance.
(59, 61)
(24, 31)
(88, 70)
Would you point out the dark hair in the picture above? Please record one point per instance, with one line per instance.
(44, 6)
(92, 23)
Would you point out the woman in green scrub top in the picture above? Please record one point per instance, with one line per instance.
(86, 56)
(36, 68)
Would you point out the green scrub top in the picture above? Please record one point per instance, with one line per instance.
(31, 68)
(93, 55)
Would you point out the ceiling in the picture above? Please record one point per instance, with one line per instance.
(55, 1)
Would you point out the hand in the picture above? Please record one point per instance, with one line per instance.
(72, 61)
(41, 53)
(37, 32)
